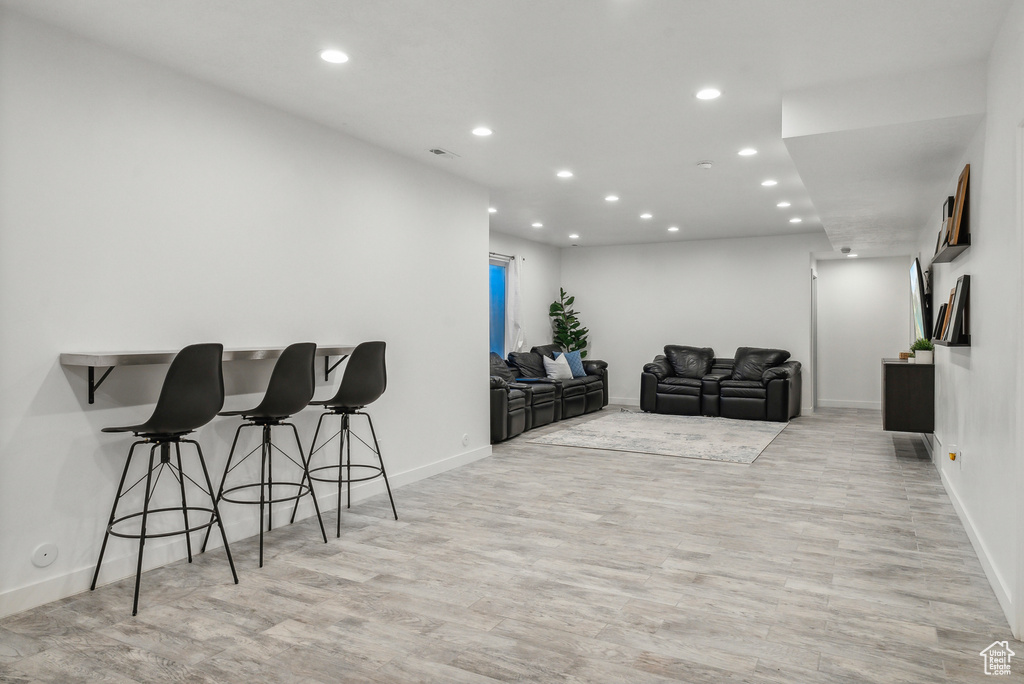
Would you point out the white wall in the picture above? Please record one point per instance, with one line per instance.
(144, 210)
(540, 278)
(723, 294)
(863, 316)
(978, 389)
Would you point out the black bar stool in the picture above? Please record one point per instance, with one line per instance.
(364, 381)
(192, 393)
(289, 391)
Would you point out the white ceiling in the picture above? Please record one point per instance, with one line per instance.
(604, 88)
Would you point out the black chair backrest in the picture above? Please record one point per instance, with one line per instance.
(193, 391)
(365, 378)
(291, 384)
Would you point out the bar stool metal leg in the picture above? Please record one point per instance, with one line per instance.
(113, 512)
(184, 504)
(216, 511)
(305, 476)
(380, 459)
(142, 534)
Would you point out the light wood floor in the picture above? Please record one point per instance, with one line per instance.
(835, 557)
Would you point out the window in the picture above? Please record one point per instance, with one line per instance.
(497, 300)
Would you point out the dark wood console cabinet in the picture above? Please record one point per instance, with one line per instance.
(908, 396)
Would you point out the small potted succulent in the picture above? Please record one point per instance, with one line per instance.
(924, 351)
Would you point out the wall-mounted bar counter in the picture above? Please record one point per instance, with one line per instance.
(109, 360)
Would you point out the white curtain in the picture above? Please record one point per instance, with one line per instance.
(515, 340)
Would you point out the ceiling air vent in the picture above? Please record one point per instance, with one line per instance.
(441, 152)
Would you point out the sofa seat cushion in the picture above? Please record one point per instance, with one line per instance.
(573, 387)
(749, 389)
(516, 399)
(542, 391)
(688, 386)
(589, 380)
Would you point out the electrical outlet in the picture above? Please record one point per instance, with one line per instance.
(955, 456)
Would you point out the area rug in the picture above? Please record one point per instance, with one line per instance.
(712, 439)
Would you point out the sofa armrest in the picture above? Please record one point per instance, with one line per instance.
(498, 383)
(659, 368)
(785, 371)
(592, 366)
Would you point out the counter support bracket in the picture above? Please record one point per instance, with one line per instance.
(94, 384)
(328, 367)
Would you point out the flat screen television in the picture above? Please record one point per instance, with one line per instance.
(920, 302)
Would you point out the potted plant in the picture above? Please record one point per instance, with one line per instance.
(924, 351)
(567, 329)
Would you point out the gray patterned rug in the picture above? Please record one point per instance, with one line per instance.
(713, 439)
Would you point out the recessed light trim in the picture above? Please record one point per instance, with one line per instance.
(482, 131)
(673, 229)
(333, 56)
(574, 236)
(708, 93)
(492, 210)
(796, 220)
(769, 183)
(537, 224)
(851, 256)
(611, 198)
(564, 173)
(646, 215)
(747, 152)
(783, 204)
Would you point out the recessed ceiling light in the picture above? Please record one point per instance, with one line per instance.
(705, 163)
(673, 229)
(708, 93)
(782, 205)
(538, 224)
(492, 210)
(645, 216)
(565, 173)
(482, 131)
(851, 256)
(747, 152)
(768, 183)
(574, 236)
(795, 220)
(333, 56)
(611, 198)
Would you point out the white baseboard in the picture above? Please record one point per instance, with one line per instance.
(624, 401)
(117, 566)
(847, 403)
(999, 586)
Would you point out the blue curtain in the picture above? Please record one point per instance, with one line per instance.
(497, 277)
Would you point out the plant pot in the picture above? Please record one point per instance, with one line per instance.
(924, 356)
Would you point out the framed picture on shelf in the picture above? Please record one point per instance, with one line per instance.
(945, 319)
(940, 318)
(958, 319)
(961, 207)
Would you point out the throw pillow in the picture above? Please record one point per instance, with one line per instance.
(500, 369)
(528, 363)
(690, 362)
(750, 363)
(558, 369)
(575, 362)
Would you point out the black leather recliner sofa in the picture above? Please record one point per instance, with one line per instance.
(515, 406)
(545, 400)
(757, 384)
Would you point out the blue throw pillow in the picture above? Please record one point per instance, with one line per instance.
(575, 363)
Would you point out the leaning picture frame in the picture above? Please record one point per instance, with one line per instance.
(961, 209)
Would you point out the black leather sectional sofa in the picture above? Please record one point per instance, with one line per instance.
(757, 384)
(523, 397)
